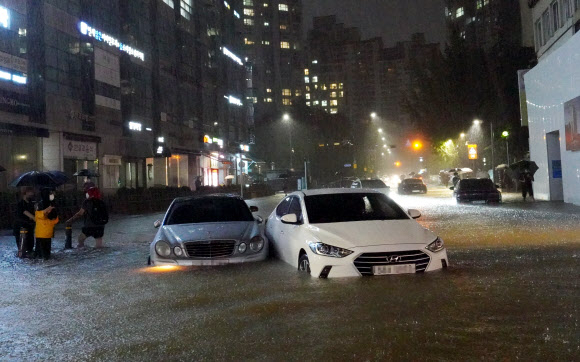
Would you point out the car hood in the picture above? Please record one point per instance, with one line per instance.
(371, 233)
(209, 231)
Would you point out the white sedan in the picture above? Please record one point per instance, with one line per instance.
(350, 232)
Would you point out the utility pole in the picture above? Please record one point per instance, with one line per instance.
(492, 152)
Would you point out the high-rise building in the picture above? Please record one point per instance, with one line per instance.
(147, 92)
(272, 34)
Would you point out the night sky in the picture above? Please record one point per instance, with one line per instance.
(394, 20)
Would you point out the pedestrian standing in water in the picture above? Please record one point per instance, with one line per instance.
(526, 180)
(46, 218)
(24, 218)
(197, 183)
(95, 216)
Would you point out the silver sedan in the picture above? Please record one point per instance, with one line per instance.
(208, 230)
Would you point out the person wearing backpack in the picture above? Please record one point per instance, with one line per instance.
(95, 216)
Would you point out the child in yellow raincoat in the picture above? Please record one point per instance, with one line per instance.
(46, 218)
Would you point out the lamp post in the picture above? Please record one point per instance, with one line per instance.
(286, 118)
(505, 134)
(478, 122)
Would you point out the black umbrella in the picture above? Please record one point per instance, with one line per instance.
(2, 169)
(86, 173)
(40, 179)
(523, 165)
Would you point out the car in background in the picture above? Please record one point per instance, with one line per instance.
(412, 185)
(481, 190)
(373, 184)
(208, 230)
(351, 232)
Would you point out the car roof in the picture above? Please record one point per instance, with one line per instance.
(475, 179)
(335, 191)
(207, 196)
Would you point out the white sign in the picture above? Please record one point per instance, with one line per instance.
(4, 18)
(12, 62)
(234, 100)
(80, 150)
(135, 126)
(232, 56)
(89, 31)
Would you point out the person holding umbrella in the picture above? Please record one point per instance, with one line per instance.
(526, 180)
(24, 218)
(46, 218)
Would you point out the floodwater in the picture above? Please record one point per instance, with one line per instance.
(511, 292)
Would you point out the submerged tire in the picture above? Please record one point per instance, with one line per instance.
(304, 264)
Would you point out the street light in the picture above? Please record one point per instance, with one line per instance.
(477, 122)
(374, 115)
(505, 134)
(286, 119)
(380, 130)
(462, 135)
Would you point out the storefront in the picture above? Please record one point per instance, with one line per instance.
(80, 152)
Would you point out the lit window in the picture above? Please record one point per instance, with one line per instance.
(269, 100)
(298, 93)
(286, 92)
(169, 2)
(340, 85)
(459, 12)
(306, 72)
(284, 45)
(282, 7)
(315, 79)
(248, 2)
(333, 86)
(333, 102)
(324, 103)
(286, 102)
(333, 111)
(332, 94)
(249, 12)
(316, 86)
(485, 2)
(283, 27)
(315, 103)
(225, 4)
(308, 88)
(323, 87)
(268, 90)
(307, 95)
(308, 104)
(306, 80)
(248, 41)
(341, 94)
(265, 5)
(266, 42)
(186, 9)
(266, 23)
(249, 22)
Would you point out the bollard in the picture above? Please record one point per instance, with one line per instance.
(68, 235)
(22, 243)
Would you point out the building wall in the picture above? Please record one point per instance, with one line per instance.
(549, 85)
(554, 28)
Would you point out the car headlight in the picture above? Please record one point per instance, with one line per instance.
(242, 248)
(436, 245)
(163, 248)
(178, 251)
(257, 243)
(329, 250)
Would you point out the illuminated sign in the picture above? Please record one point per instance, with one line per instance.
(135, 126)
(232, 56)
(18, 79)
(89, 31)
(4, 18)
(234, 100)
(472, 152)
(245, 148)
(211, 140)
(236, 14)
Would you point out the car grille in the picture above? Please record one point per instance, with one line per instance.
(210, 248)
(365, 262)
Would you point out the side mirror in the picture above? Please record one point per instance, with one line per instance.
(415, 214)
(254, 208)
(452, 188)
(290, 219)
(259, 219)
(157, 224)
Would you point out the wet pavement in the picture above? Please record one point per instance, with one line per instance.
(511, 292)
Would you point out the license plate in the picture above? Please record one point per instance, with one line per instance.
(416, 190)
(479, 202)
(215, 262)
(393, 269)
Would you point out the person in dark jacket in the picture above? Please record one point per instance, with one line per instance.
(526, 180)
(90, 228)
(24, 218)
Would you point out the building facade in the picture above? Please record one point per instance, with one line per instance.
(145, 92)
(552, 91)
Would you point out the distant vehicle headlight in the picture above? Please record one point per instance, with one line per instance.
(257, 243)
(163, 248)
(178, 251)
(329, 250)
(242, 248)
(436, 245)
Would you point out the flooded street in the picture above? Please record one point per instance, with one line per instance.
(511, 292)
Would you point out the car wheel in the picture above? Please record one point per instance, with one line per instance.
(304, 264)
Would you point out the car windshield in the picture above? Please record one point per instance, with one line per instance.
(476, 184)
(347, 207)
(205, 210)
(373, 184)
(412, 181)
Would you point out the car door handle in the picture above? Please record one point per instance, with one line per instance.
(281, 231)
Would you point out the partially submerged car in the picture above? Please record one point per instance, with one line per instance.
(373, 184)
(412, 185)
(352, 232)
(208, 230)
(481, 190)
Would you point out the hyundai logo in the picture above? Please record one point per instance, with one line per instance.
(393, 259)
